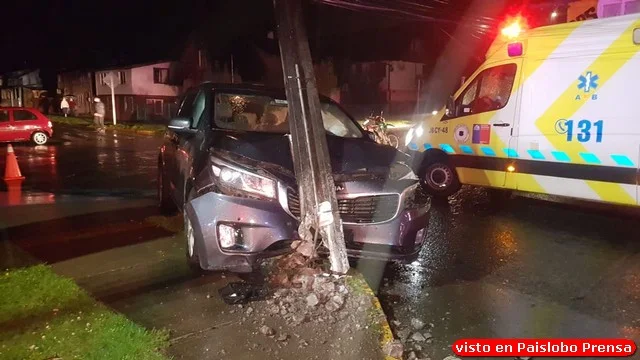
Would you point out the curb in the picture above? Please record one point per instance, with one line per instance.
(386, 335)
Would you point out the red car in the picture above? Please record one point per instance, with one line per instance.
(24, 124)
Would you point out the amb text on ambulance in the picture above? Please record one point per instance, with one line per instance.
(552, 110)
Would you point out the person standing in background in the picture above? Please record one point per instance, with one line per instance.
(72, 107)
(64, 106)
(98, 115)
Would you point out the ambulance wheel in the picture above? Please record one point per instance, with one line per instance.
(440, 179)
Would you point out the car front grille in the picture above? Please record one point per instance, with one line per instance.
(359, 210)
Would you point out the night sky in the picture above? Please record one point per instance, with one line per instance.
(66, 34)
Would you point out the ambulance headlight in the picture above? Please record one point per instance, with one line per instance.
(419, 131)
(408, 137)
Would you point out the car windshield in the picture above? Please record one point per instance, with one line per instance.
(260, 113)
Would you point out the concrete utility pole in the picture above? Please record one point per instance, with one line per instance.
(319, 208)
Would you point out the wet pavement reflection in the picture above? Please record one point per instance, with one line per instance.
(78, 161)
(526, 267)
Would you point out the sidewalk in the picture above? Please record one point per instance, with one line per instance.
(149, 282)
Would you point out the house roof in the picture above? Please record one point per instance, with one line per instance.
(131, 66)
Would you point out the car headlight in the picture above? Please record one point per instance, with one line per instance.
(419, 131)
(245, 181)
(408, 137)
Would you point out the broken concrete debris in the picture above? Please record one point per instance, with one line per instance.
(393, 349)
(417, 337)
(417, 324)
(267, 331)
(312, 300)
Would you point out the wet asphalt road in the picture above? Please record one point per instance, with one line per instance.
(78, 161)
(526, 268)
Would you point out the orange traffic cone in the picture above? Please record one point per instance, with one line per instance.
(12, 176)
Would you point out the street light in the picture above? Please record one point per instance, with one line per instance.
(554, 14)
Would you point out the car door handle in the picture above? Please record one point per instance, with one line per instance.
(502, 124)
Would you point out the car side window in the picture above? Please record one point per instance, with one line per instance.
(4, 115)
(489, 91)
(198, 109)
(186, 106)
(23, 115)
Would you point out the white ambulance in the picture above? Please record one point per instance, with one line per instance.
(553, 110)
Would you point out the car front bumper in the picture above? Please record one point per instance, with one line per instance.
(265, 229)
(399, 239)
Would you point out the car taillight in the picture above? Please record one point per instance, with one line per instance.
(49, 124)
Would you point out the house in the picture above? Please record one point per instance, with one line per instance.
(195, 67)
(79, 84)
(143, 92)
(21, 88)
(390, 86)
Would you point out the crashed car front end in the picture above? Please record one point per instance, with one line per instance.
(245, 210)
(382, 219)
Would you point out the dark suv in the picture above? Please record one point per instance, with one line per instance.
(226, 164)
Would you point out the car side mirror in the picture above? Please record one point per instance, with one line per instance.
(181, 126)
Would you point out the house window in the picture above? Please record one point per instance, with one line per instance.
(157, 105)
(128, 103)
(103, 78)
(160, 76)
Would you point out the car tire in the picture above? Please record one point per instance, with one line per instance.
(439, 179)
(190, 242)
(165, 203)
(39, 138)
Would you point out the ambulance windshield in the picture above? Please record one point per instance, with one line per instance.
(490, 90)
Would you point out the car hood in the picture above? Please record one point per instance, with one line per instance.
(349, 156)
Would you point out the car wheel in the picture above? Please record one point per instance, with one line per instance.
(190, 241)
(165, 203)
(440, 179)
(40, 138)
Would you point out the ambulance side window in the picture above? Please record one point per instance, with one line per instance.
(489, 91)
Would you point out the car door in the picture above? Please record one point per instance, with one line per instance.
(188, 146)
(24, 123)
(172, 140)
(481, 124)
(5, 125)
